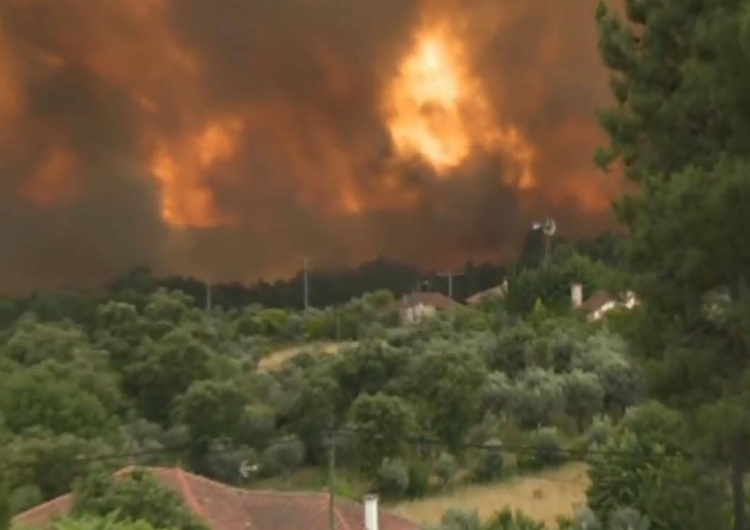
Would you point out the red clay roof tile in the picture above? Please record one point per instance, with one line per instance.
(228, 508)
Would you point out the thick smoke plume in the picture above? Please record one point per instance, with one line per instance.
(227, 138)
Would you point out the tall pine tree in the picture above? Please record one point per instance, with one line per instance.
(680, 130)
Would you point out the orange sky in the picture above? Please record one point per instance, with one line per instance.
(227, 138)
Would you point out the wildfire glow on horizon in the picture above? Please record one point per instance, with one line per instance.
(438, 111)
(227, 138)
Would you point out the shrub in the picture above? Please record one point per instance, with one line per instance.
(545, 448)
(445, 468)
(510, 520)
(224, 461)
(134, 497)
(5, 508)
(108, 522)
(344, 488)
(491, 460)
(393, 477)
(283, 458)
(419, 480)
(455, 519)
(600, 431)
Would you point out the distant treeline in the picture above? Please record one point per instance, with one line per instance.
(325, 287)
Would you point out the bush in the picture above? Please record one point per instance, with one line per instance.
(599, 432)
(393, 477)
(628, 519)
(456, 519)
(419, 480)
(283, 458)
(545, 449)
(108, 522)
(24, 497)
(673, 492)
(582, 519)
(486, 430)
(491, 460)
(5, 510)
(134, 497)
(445, 468)
(344, 488)
(510, 520)
(225, 460)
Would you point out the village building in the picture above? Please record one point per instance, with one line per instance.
(415, 307)
(600, 303)
(224, 507)
(499, 291)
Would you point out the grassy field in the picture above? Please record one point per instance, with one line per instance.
(543, 497)
(276, 360)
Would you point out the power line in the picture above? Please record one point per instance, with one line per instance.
(176, 448)
(517, 449)
(531, 448)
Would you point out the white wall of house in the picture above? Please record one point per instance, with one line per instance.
(576, 295)
(630, 300)
(599, 313)
(415, 313)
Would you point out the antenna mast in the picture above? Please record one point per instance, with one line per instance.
(549, 227)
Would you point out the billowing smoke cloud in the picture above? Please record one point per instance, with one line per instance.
(227, 138)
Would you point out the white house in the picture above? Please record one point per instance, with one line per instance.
(415, 307)
(499, 291)
(600, 303)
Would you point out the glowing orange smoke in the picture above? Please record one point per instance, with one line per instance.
(53, 183)
(181, 167)
(11, 95)
(436, 110)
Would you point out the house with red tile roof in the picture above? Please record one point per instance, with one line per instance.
(499, 291)
(224, 507)
(600, 303)
(415, 307)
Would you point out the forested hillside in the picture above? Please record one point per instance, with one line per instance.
(652, 400)
(327, 288)
(472, 396)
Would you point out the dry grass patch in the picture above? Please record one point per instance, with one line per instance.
(276, 360)
(543, 497)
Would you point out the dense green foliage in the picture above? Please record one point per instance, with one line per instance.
(506, 519)
(136, 497)
(159, 379)
(680, 129)
(327, 287)
(108, 522)
(654, 399)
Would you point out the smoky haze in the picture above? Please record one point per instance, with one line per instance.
(227, 138)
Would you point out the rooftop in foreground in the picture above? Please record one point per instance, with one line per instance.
(225, 507)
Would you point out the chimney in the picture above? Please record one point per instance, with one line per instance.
(371, 512)
(576, 295)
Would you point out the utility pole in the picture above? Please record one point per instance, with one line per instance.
(331, 480)
(450, 276)
(208, 296)
(305, 285)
